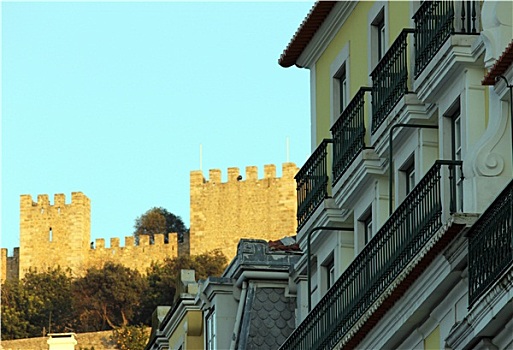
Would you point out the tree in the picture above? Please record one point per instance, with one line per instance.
(163, 278)
(130, 337)
(17, 307)
(40, 302)
(53, 287)
(108, 297)
(158, 220)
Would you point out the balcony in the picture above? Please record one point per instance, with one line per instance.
(348, 134)
(312, 183)
(372, 273)
(491, 245)
(390, 79)
(435, 22)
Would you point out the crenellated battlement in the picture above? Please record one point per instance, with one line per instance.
(138, 257)
(245, 205)
(59, 200)
(251, 174)
(129, 242)
(242, 206)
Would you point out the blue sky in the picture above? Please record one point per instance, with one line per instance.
(114, 100)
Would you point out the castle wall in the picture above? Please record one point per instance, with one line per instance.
(59, 234)
(135, 257)
(52, 235)
(223, 213)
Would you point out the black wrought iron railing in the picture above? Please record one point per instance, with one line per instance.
(312, 183)
(491, 245)
(390, 79)
(435, 21)
(393, 247)
(348, 134)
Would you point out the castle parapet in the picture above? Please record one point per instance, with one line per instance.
(138, 257)
(289, 170)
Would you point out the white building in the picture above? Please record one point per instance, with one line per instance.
(405, 208)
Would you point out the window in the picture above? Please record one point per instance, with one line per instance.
(456, 155)
(329, 271)
(50, 235)
(366, 224)
(341, 81)
(408, 171)
(211, 331)
(456, 142)
(378, 37)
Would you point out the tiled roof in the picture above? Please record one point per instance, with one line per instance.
(305, 32)
(286, 244)
(268, 319)
(501, 66)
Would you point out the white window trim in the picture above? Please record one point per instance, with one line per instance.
(371, 18)
(341, 59)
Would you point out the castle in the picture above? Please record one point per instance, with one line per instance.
(59, 234)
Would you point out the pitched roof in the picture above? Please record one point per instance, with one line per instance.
(500, 66)
(313, 21)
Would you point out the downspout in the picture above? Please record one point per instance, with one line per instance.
(510, 104)
(308, 272)
(390, 155)
(240, 310)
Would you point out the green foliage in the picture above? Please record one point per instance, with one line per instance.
(53, 287)
(108, 297)
(158, 220)
(164, 277)
(39, 302)
(105, 298)
(130, 338)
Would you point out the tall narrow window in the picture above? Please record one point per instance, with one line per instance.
(378, 41)
(343, 93)
(408, 171)
(381, 38)
(329, 271)
(366, 225)
(456, 155)
(211, 331)
(50, 234)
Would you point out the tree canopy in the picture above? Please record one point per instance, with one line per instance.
(163, 278)
(39, 303)
(158, 220)
(110, 297)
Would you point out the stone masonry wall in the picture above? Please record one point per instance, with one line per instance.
(135, 257)
(10, 265)
(223, 213)
(52, 235)
(59, 235)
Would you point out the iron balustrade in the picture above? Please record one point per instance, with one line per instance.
(348, 134)
(491, 245)
(381, 261)
(435, 21)
(390, 79)
(312, 183)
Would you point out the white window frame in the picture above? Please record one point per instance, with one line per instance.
(329, 271)
(366, 226)
(339, 67)
(210, 336)
(408, 176)
(377, 14)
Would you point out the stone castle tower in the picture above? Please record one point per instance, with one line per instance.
(57, 234)
(244, 207)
